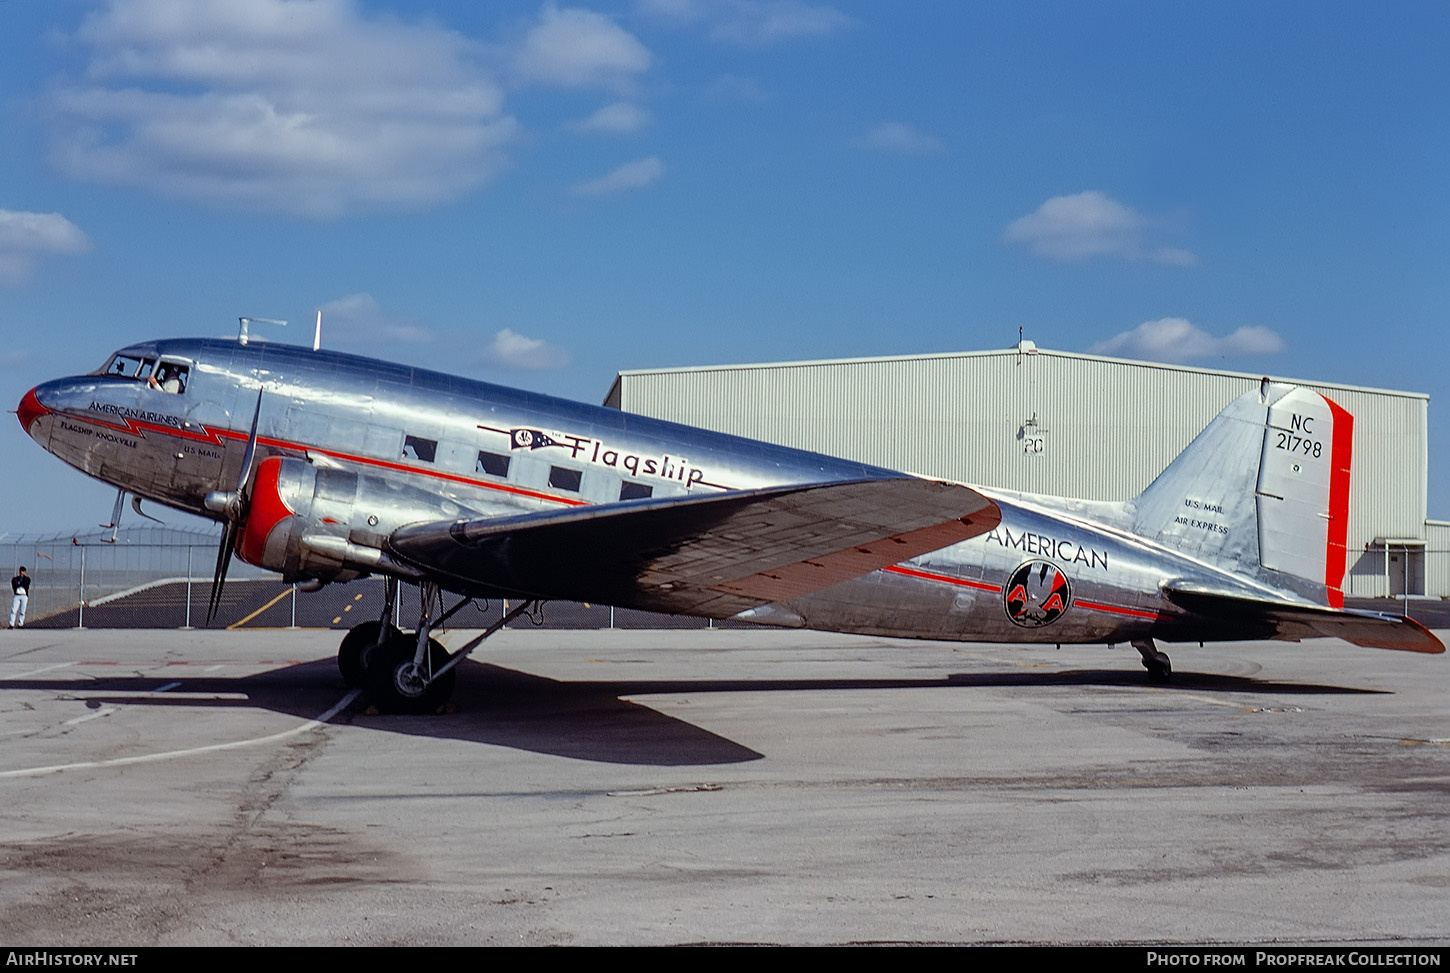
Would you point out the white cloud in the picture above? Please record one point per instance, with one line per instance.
(359, 318)
(24, 237)
(903, 138)
(358, 322)
(631, 175)
(302, 106)
(1179, 341)
(509, 349)
(617, 118)
(1092, 224)
(753, 23)
(577, 48)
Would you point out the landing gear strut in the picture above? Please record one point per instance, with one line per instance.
(1160, 669)
(414, 673)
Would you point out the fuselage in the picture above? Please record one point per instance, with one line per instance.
(423, 446)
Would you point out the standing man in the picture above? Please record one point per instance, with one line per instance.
(20, 585)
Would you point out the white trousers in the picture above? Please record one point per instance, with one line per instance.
(17, 609)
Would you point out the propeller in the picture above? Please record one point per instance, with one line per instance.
(232, 505)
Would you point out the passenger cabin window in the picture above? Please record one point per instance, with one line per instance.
(418, 448)
(170, 377)
(494, 464)
(628, 490)
(561, 478)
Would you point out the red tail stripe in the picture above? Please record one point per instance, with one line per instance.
(1336, 549)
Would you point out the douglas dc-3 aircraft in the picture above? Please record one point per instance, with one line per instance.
(327, 467)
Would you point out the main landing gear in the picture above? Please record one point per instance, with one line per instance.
(1160, 669)
(358, 646)
(408, 672)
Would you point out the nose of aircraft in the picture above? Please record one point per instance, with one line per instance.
(30, 409)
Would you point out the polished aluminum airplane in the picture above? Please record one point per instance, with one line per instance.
(328, 467)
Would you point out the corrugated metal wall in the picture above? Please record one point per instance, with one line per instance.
(1049, 422)
(1437, 556)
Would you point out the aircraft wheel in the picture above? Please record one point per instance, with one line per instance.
(356, 651)
(1160, 669)
(397, 686)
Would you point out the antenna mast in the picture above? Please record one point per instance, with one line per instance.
(242, 336)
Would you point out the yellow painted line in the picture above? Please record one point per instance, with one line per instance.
(259, 610)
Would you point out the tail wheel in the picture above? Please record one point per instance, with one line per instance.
(396, 685)
(355, 654)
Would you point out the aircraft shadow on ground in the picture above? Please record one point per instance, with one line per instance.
(586, 720)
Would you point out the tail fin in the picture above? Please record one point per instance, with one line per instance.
(1263, 490)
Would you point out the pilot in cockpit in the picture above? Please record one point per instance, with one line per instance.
(169, 378)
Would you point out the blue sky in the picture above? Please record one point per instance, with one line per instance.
(544, 194)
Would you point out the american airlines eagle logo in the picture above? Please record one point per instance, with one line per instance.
(530, 439)
(1037, 594)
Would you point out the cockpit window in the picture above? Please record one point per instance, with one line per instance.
(129, 366)
(170, 377)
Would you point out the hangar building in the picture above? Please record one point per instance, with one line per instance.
(1059, 423)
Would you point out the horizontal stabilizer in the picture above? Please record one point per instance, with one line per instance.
(1295, 621)
(711, 555)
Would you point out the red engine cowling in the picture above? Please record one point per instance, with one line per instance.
(267, 510)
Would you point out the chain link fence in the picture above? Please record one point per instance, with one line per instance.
(70, 572)
(160, 577)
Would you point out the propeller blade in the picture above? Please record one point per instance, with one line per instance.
(251, 451)
(223, 561)
(235, 510)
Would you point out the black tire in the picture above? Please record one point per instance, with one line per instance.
(394, 686)
(356, 650)
(1160, 670)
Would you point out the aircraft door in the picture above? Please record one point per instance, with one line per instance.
(196, 463)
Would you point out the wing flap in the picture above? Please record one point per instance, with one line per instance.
(713, 555)
(813, 574)
(1287, 620)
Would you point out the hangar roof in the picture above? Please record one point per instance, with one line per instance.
(1028, 349)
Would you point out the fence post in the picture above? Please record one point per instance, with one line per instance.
(81, 608)
(188, 586)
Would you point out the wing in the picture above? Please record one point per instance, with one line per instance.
(1291, 621)
(713, 555)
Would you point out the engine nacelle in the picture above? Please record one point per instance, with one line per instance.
(329, 524)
